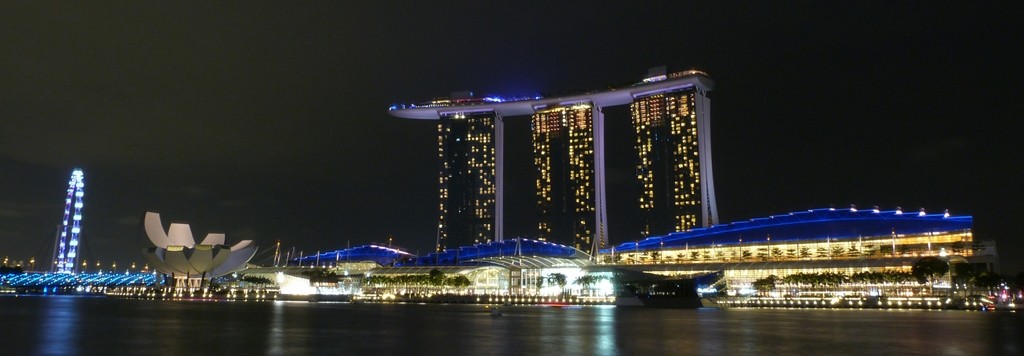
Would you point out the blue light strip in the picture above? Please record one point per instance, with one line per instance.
(81, 279)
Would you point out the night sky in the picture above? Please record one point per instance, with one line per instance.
(268, 120)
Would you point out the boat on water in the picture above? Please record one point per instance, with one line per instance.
(637, 288)
(660, 293)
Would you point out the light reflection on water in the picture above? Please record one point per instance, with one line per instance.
(81, 325)
(57, 324)
(275, 331)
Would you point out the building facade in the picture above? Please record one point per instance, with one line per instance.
(668, 162)
(668, 171)
(840, 242)
(563, 155)
(467, 177)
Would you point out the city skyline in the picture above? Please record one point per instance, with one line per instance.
(265, 123)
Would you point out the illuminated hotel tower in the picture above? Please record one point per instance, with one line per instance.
(673, 161)
(466, 154)
(563, 155)
(672, 121)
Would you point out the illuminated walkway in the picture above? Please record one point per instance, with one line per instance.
(74, 280)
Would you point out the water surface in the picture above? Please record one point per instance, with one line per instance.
(36, 325)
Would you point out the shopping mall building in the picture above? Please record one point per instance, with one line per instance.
(838, 241)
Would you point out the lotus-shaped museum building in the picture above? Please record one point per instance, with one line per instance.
(176, 252)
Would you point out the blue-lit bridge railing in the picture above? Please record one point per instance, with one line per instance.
(66, 282)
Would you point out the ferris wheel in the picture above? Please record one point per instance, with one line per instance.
(66, 249)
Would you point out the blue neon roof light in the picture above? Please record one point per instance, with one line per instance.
(817, 224)
(380, 254)
(511, 247)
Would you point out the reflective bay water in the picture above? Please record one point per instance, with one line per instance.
(97, 325)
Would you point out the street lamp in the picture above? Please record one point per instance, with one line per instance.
(661, 251)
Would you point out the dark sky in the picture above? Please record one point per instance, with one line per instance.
(267, 120)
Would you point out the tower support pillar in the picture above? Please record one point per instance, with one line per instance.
(600, 198)
(499, 177)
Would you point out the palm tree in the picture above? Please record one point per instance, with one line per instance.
(988, 280)
(436, 277)
(257, 280)
(559, 279)
(927, 269)
(822, 252)
(586, 281)
(766, 284)
(966, 274)
(958, 247)
(458, 281)
(321, 275)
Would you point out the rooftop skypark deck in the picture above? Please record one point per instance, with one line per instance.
(527, 106)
